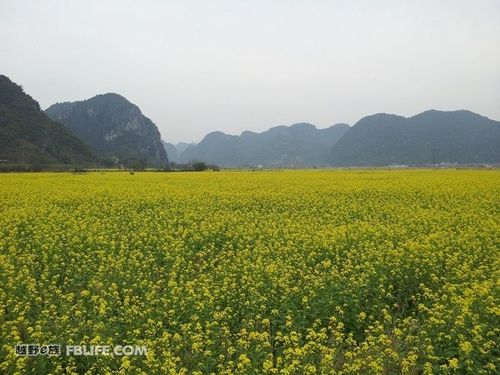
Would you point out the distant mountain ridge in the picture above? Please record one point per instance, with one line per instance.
(461, 137)
(108, 128)
(298, 145)
(171, 151)
(174, 151)
(29, 137)
(440, 137)
(114, 129)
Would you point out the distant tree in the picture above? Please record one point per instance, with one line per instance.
(138, 165)
(36, 166)
(199, 166)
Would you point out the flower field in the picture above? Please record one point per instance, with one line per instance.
(284, 272)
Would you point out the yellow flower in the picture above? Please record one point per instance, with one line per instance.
(453, 363)
(465, 347)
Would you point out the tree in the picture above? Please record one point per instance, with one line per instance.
(199, 166)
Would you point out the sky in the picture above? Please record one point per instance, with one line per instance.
(232, 65)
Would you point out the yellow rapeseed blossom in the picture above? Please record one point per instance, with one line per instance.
(291, 272)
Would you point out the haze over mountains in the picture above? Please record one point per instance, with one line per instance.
(174, 151)
(432, 137)
(108, 130)
(299, 145)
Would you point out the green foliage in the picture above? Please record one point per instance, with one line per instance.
(138, 165)
(199, 166)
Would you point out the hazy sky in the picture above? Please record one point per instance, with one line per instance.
(230, 65)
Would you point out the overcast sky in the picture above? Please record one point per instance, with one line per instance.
(230, 65)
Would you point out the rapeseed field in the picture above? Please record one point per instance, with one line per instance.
(279, 272)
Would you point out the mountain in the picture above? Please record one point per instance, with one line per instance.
(181, 146)
(114, 129)
(174, 151)
(461, 137)
(29, 136)
(171, 150)
(299, 145)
